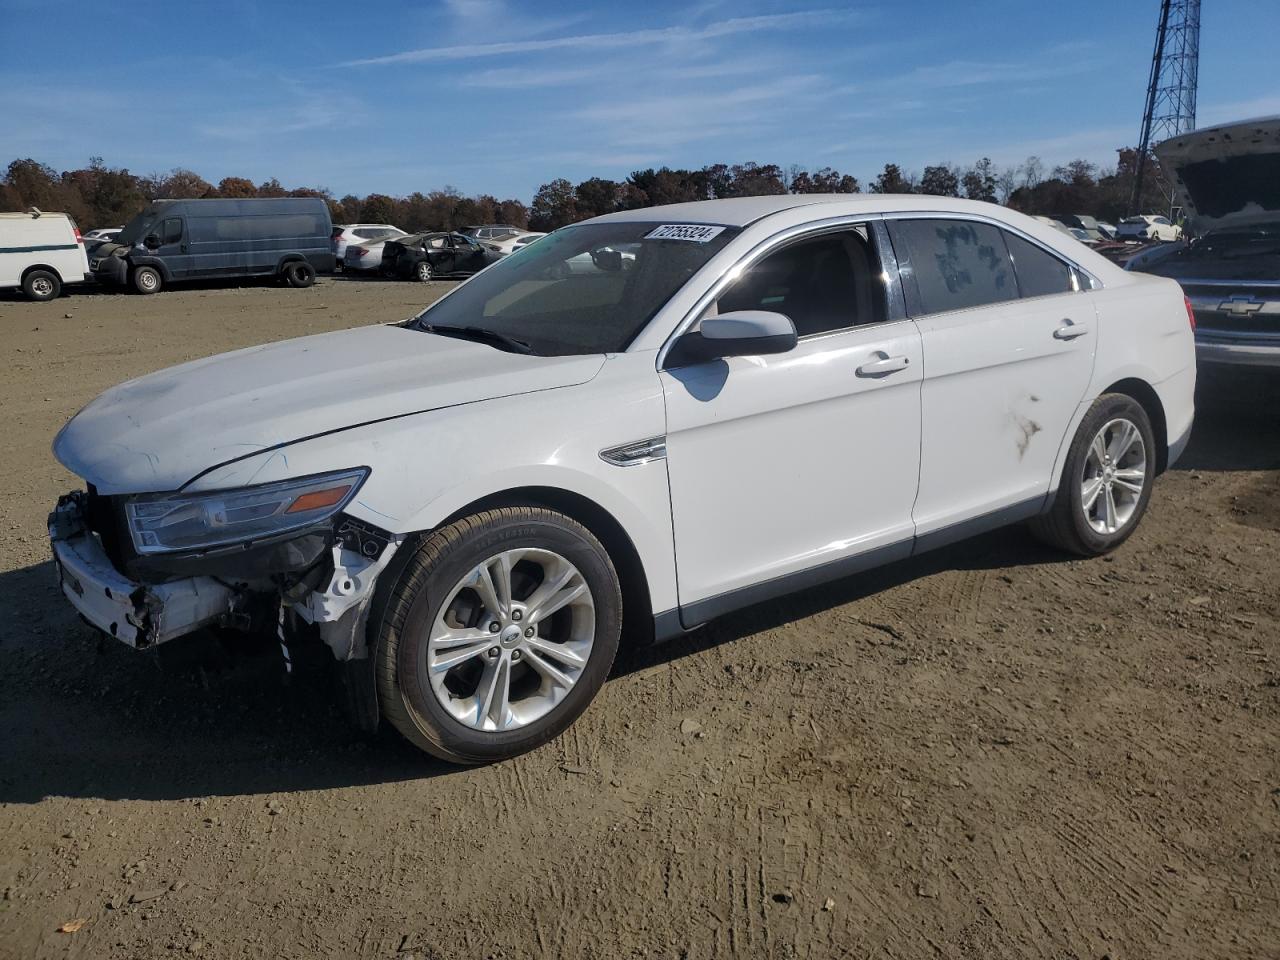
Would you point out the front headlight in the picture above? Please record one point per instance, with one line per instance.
(168, 522)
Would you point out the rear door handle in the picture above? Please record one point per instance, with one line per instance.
(1070, 330)
(883, 366)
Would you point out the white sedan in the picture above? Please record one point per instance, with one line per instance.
(776, 391)
(1148, 227)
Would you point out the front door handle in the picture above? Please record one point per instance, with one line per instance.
(1070, 330)
(883, 366)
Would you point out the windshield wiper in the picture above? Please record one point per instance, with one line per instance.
(481, 335)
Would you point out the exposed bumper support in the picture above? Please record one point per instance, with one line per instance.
(341, 610)
(141, 615)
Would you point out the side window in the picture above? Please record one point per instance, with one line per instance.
(957, 263)
(826, 283)
(1039, 273)
(173, 230)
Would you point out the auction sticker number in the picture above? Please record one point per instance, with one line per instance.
(693, 232)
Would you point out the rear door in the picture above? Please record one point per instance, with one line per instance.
(1008, 354)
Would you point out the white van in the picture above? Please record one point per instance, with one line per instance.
(40, 252)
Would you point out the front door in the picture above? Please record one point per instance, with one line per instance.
(1008, 354)
(792, 468)
(174, 248)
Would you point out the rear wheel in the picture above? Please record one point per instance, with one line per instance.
(422, 271)
(1106, 482)
(41, 285)
(147, 280)
(299, 274)
(498, 633)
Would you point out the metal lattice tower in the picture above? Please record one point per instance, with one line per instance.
(1171, 89)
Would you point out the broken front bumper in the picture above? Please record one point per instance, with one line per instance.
(140, 615)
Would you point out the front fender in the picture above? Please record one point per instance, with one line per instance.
(427, 467)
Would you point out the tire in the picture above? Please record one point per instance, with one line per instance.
(1109, 471)
(299, 274)
(422, 272)
(41, 286)
(443, 711)
(147, 280)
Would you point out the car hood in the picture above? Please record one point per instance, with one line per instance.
(160, 431)
(1226, 176)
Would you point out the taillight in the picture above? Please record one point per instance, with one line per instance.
(76, 231)
(357, 251)
(1191, 313)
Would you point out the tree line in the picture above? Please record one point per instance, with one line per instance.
(101, 196)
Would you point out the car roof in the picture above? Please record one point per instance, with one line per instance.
(741, 211)
(28, 216)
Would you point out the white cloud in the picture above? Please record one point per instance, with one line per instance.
(611, 41)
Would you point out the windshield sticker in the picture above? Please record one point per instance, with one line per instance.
(694, 232)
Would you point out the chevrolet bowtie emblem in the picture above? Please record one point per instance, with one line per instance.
(1240, 306)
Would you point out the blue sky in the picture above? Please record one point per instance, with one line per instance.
(498, 96)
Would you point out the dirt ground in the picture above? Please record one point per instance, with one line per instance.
(990, 751)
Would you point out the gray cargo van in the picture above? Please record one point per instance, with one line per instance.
(176, 240)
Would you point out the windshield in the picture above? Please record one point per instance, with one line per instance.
(589, 288)
(138, 227)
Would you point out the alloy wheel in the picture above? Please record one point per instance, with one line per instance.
(511, 639)
(1114, 476)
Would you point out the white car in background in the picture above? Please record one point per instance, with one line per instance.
(345, 234)
(510, 243)
(103, 233)
(366, 256)
(524, 240)
(1148, 227)
(772, 393)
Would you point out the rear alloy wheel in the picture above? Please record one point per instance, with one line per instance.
(498, 633)
(1106, 482)
(147, 280)
(41, 285)
(422, 272)
(299, 274)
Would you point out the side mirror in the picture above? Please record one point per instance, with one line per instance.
(151, 242)
(743, 333)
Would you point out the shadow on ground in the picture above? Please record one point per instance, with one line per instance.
(84, 716)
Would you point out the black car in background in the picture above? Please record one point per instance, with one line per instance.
(426, 256)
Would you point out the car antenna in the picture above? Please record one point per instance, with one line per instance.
(35, 212)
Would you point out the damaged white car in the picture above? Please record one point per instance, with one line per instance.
(468, 507)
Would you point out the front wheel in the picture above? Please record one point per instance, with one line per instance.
(422, 272)
(1106, 482)
(499, 631)
(147, 280)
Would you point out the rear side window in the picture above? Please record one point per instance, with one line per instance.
(957, 264)
(1039, 273)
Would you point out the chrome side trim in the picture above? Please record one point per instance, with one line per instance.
(635, 453)
(1239, 284)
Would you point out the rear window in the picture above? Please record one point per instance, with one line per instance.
(957, 263)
